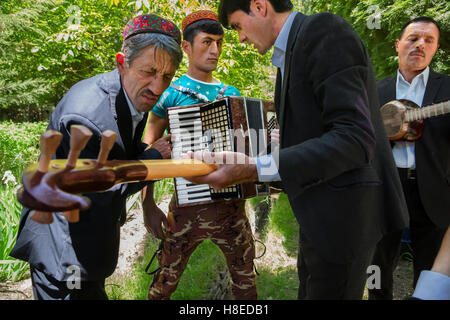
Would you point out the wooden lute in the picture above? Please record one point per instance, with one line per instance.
(403, 119)
(56, 185)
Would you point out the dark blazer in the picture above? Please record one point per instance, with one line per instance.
(335, 160)
(93, 243)
(432, 150)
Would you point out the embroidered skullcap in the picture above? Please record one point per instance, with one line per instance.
(151, 23)
(198, 15)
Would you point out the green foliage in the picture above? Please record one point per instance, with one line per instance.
(163, 188)
(240, 64)
(243, 67)
(20, 30)
(19, 145)
(49, 45)
(282, 220)
(10, 269)
(378, 22)
(201, 272)
(207, 260)
(84, 37)
(194, 284)
(280, 283)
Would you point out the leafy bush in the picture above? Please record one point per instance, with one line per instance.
(378, 23)
(19, 145)
(10, 209)
(20, 31)
(48, 45)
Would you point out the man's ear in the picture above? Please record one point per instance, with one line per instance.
(259, 7)
(120, 60)
(187, 47)
(396, 44)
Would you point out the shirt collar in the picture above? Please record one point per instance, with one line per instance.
(136, 115)
(280, 44)
(424, 75)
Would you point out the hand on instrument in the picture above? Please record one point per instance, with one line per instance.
(233, 168)
(154, 219)
(164, 146)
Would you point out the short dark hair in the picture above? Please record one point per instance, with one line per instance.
(205, 25)
(227, 7)
(420, 19)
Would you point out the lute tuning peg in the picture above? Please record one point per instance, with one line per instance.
(108, 139)
(49, 143)
(79, 136)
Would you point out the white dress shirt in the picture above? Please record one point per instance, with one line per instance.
(136, 116)
(432, 286)
(404, 151)
(266, 165)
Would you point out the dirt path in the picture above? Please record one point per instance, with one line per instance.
(132, 244)
(132, 238)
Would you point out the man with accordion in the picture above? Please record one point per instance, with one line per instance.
(225, 221)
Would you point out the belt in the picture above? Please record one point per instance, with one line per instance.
(407, 173)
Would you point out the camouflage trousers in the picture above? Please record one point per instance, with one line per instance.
(225, 224)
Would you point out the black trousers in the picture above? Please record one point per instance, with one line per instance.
(426, 239)
(46, 287)
(324, 280)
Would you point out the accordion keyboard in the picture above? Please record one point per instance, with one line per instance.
(200, 128)
(186, 128)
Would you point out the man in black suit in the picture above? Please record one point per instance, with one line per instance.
(72, 260)
(423, 165)
(334, 161)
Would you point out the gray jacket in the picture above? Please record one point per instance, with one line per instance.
(91, 245)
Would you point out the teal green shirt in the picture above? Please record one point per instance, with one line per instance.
(174, 98)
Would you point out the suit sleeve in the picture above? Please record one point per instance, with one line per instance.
(93, 148)
(336, 67)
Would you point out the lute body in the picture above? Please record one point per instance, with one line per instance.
(404, 120)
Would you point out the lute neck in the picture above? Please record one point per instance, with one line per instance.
(427, 112)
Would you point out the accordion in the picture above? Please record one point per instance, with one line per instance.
(237, 124)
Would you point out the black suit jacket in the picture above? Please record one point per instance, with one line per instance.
(92, 244)
(335, 160)
(432, 150)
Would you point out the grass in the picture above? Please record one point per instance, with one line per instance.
(19, 146)
(277, 281)
(10, 269)
(283, 221)
(194, 284)
(281, 284)
(274, 282)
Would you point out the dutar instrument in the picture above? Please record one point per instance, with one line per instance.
(403, 119)
(56, 185)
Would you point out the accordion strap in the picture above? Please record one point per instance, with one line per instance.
(222, 92)
(197, 95)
